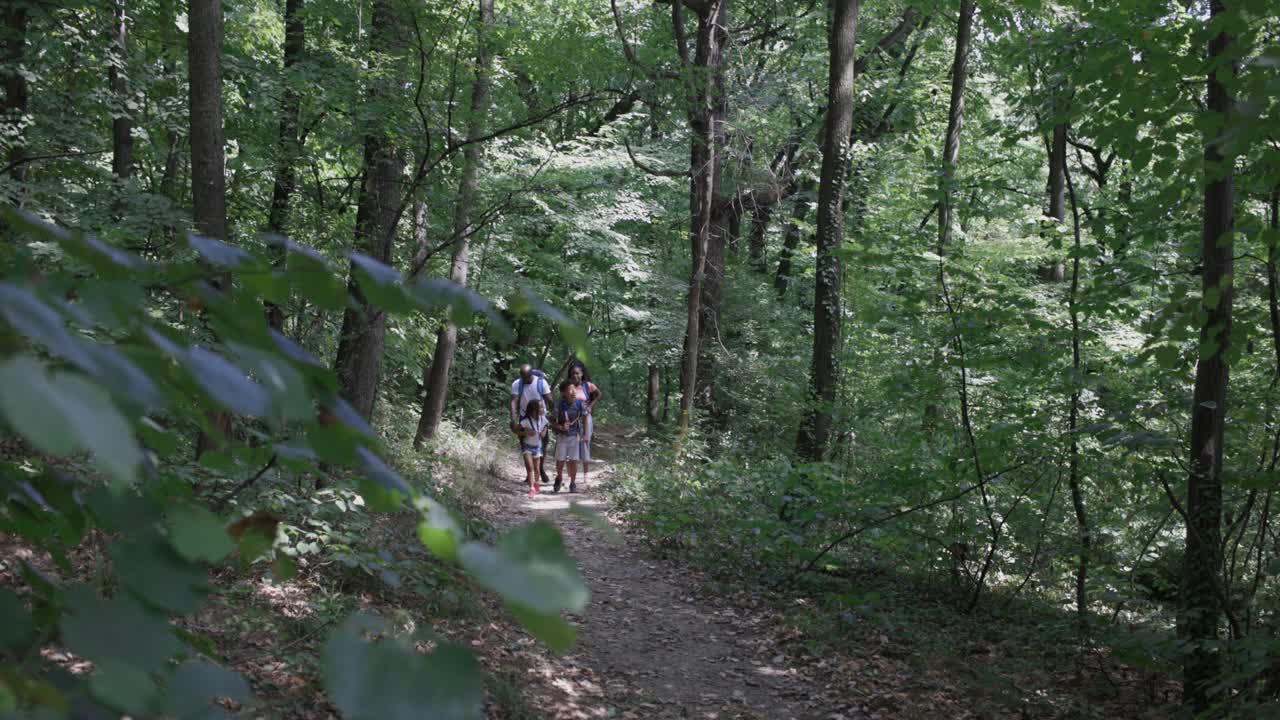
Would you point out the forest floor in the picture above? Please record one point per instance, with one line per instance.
(662, 639)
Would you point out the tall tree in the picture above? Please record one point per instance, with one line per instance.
(121, 121)
(289, 149)
(824, 373)
(1201, 589)
(702, 68)
(208, 181)
(359, 358)
(447, 337)
(16, 20)
(955, 122)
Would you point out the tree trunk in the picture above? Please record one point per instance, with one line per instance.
(1083, 532)
(286, 173)
(208, 183)
(653, 405)
(447, 338)
(704, 169)
(1201, 606)
(1056, 211)
(824, 377)
(16, 21)
(791, 240)
(359, 357)
(955, 122)
(723, 235)
(121, 122)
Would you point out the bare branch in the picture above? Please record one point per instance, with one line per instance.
(650, 170)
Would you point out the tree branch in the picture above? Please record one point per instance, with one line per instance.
(650, 170)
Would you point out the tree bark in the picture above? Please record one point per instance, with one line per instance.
(447, 338)
(824, 375)
(1201, 605)
(16, 20)
(1083, 532)
(724, 232)
(955, 122)
(117, 77)
(653, 405)
(1056, 210)
(359, 358)
(286, 163)
(208, 182)
(704, 170)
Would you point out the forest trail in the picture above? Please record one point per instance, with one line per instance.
(651, 643)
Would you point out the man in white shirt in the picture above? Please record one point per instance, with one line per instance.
(529, 386)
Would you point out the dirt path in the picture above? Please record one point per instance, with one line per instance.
(652, 643)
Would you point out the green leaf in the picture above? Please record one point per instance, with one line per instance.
(1168, 356)
(118, 630)
(62, 414)
(550, 628)
(529, 567)
(17, 629)
(217, 253)
(154, 573)
(381, 284)
(198, 534)
(378, 471)
(227, 384)
(124, 687)
(438, 531)
(195, 684)
(385, 680)
(572, 333)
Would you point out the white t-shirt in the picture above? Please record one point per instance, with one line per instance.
(533, 390)
(538, 426)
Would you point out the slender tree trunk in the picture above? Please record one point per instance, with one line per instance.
(121, 122)
(653, 405)
(286, 163)
(791, 240)
(16, 20)
(815, 431)
(1057, 174)
(359, 358)
(955, 122)
(447, 338)
(704, 168)
(1056, 209)
(723, 235)
(208, 182)
(1075, 482)
(1201, 607)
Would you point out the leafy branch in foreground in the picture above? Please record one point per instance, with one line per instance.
(86, 367)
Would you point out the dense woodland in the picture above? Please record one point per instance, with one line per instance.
(965, 304)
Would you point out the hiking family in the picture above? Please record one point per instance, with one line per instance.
(534, 411)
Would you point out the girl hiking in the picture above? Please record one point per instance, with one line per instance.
(570, 426)
(531, 429)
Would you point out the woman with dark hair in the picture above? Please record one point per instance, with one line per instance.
(589, 393)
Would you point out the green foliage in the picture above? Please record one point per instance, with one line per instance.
(59, 394)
